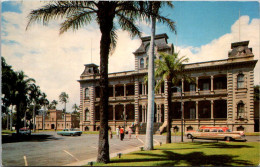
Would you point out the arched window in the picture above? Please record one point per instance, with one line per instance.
(86, 93)
(240, 110)
(141, 63)
(87, 115)
(240, 81)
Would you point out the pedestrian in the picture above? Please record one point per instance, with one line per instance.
(129, 132)
(121, 134)
(117, 131)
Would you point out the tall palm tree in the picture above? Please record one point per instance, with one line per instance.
(64, 99)
(45, 102)
(80, 13)
(35, 94)
(22, 86)
(170, 69)
(153, 8)
(75, 107)
(54, 103)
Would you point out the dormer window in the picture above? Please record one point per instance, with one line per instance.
(240, 81)
(141, 63)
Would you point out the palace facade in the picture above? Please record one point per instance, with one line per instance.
(56, 120)
(221, 94)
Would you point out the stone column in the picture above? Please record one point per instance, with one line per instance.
(212, 106)
(114, 112)
(197, 85)
(182, 86)
(211, 86)
(114, 91)
(197, 110)
(124, 90)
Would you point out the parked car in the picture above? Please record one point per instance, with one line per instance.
(23, 131)
(215, 133)
(69, 132)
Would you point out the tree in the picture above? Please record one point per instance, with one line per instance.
(64, 99)
(75, 107)
(80, 13)
(45, 102)
(153, 9)
(170, 69)
(34, 96)
(54, 103)
(21, 100)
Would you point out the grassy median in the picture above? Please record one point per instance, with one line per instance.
(193, 154)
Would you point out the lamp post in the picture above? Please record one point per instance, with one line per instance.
(179, 88)
(124, 116)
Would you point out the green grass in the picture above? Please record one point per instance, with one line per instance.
(252, 133)
(193, 154)
(7, 132)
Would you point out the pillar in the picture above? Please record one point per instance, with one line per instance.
(182, 86)
(211, 86)
(197, 110)
(114, 91)
(212, 104)
(197, 85)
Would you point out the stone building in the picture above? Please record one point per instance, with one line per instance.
(221, 94)
(56, 119)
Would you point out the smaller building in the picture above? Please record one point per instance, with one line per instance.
(55, 119)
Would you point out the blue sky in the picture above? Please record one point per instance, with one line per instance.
(205, 32)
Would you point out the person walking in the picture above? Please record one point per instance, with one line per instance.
(117, 131)
(121, 134)
(129, 132)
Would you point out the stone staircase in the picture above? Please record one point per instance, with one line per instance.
(156, 128)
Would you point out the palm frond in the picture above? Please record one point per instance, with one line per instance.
(76, 21)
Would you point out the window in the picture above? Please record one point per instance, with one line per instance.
(147, 62)
(141, 63)
(205, 86)
(192, 88)
(240, 110)
(192, 113)
(240, 81)
(87, 115)
(86, 93)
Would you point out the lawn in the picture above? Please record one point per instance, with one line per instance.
(193, 154)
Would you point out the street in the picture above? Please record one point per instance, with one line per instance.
(49, 149)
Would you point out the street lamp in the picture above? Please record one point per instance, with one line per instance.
(124, 116)
(179, 88)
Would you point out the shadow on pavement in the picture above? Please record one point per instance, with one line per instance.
(191, 159)
(24, 138)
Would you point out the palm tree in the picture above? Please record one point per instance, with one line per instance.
(54, 103)
(153, 7)
(64, 99)
(35, 94)
(75, 107)
(170, 69)
(22, 88)
(45, 102)
(80, 13)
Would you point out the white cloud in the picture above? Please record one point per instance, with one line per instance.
(56, 62)
(218, 48)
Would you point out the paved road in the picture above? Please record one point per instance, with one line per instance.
(49, 149)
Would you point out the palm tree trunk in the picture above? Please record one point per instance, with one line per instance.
(11, 119)
(106, 25)
(65, 117)
(169, 119)
(34, 117)
(150, 114)
(7, 120)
